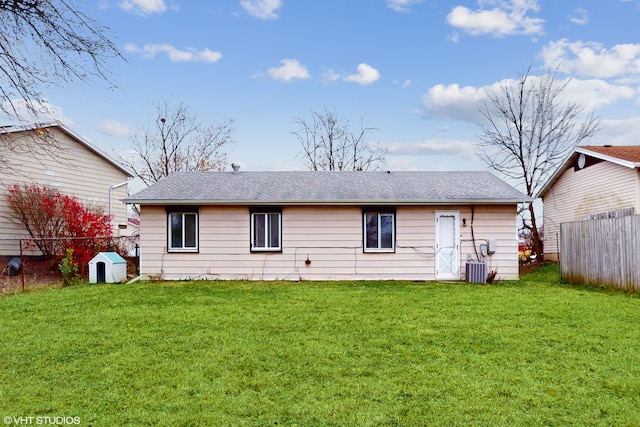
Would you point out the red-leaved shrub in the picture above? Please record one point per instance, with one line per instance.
(58, 222)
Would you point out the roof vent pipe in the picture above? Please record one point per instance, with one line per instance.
(236, 167)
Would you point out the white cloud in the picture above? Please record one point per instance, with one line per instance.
(453, 101)
(594, 93)
(207, 55)
(114, 128)
(365, 76)
(433, 154)
(44, 112)
(401, 5)
(403, 84)
(432, 147)
(592, 59)
(143, 7)
(580, 16)
(330, 76)
(618, 132)
(507, 17)
(175, 55)
(263, 9)
(290, 69)
(464, 103)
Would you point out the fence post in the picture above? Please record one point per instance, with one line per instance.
(21, 264)
(138, 258)
(559, 257)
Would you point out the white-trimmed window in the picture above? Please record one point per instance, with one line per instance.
(266, 231)
(379, 231)
(182, 232)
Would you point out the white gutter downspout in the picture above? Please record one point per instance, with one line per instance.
(111, 192)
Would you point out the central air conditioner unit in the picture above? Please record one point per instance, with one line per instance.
(476, 272)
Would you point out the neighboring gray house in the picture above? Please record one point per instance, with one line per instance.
(327, 225)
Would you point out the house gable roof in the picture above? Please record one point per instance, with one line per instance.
(70, 133)
(327, 188)
(111, 257)
(628, 155)
(623, 155)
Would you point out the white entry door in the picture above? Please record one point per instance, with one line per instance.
(447, 245)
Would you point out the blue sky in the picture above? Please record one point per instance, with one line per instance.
(413, 69)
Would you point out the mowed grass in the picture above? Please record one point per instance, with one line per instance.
(534, 352)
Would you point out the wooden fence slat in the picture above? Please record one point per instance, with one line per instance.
(602, 252)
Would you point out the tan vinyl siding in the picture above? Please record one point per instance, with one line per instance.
(76, 170)
(596, 189)
(330, 237)
(492, 223)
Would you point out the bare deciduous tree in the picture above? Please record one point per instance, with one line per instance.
(178, 141)
(45, 43)
(530, 128)
(329, 144)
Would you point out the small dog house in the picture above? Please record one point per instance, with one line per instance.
(107, 267)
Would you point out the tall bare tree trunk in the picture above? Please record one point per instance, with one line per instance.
(538, 247)
(528, 131)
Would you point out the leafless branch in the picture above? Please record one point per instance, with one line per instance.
(328, 143)
(47, 43)
(529, 130)
(178, 141)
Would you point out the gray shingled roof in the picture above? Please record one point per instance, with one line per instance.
(316, 187)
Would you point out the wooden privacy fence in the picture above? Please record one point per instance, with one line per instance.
(602, 252)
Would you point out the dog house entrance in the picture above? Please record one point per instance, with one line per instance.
(101, 272)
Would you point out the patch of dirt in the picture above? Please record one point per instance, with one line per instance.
(529, 267)
(35, 273)
(40, 273)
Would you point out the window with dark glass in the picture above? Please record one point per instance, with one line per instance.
(266, 233)
(183, 231)
(379, 231)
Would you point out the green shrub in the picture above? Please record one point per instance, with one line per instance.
(69, 269)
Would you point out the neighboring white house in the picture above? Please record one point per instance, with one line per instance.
(327, 225)
(594, 182)
(72, 165)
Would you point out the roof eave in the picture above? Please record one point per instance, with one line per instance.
(72, 134)
(95, 150)
(580, 150)
(156, 202)
(616, 160)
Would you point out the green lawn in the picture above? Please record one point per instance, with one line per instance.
(534, 352)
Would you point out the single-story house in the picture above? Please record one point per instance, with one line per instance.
(311, 225)
(594, 182)
(52, 154)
